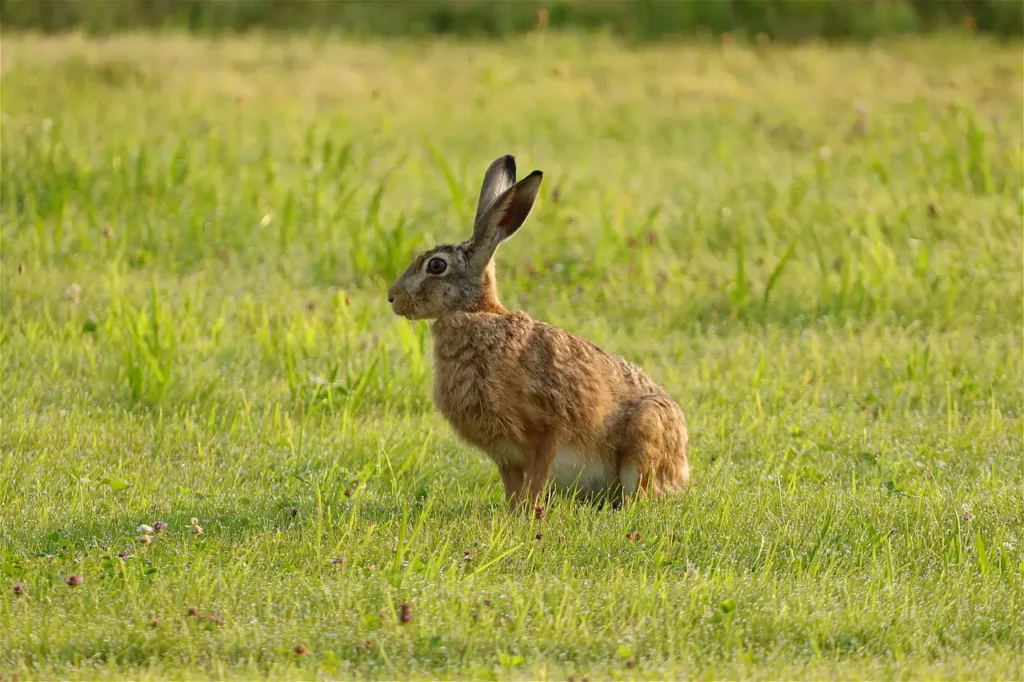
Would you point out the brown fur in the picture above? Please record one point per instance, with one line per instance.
(542, 403)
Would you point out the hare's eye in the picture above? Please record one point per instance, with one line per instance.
(436, 266)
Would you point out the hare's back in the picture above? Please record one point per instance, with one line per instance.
(569, 382)
(511, 375)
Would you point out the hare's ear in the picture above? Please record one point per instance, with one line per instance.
(499, 177)
(505, 215)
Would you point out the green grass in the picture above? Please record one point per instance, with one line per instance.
(817, 251)
(634, 20)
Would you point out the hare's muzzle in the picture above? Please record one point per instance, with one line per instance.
(398, 301)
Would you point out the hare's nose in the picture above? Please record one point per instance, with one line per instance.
(391, 297)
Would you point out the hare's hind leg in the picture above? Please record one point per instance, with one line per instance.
(652, 448)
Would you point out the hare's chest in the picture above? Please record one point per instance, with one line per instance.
(469, 403)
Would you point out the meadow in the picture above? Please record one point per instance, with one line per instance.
(816, 249)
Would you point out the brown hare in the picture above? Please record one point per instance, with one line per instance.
(544, 404)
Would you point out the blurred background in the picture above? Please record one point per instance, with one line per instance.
(633, 19)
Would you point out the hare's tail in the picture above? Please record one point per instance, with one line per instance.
(653, 452)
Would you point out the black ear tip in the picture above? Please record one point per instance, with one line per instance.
(536, 174)
(509, 162)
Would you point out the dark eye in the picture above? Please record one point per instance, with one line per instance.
(436, 266)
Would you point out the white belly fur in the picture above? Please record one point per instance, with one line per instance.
(572, 469)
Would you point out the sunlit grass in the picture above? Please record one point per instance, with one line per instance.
(816, 250)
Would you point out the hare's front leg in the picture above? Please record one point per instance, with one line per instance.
(525, 482)
(512, 477)
(540, 459)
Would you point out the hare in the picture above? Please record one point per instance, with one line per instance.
(543, 404)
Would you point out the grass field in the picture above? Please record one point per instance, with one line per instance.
(817, 251)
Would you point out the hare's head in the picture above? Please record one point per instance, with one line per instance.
(460, 277)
